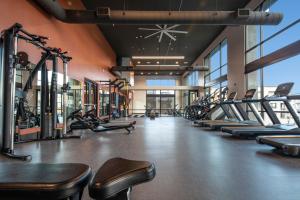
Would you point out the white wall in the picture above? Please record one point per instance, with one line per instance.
(139, 101)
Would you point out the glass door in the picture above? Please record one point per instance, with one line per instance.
(153, 101)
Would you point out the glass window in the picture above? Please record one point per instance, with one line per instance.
(290, 10)
(161, 82)
(284, 71)
(269, 39)
(224, 53)
(215, 59)
(287, 37)
(193, 79)
(153, 91)
(217, 63)
(224, 70)
(60, 78)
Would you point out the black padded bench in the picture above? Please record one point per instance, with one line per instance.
(43, 181)
(117, 176)
(113, 181)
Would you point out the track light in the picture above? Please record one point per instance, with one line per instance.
(157, 65)
(158, 57)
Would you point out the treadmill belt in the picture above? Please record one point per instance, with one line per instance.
(284, 140)
(289, 144)
(230, 124)
(256, 131)
(278, 141)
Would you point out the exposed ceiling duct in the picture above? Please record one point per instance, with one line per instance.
(107, 16)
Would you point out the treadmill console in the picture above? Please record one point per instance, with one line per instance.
(283, 89)
(231, 96)
(250, 94)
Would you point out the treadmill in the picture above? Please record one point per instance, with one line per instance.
(216, 112)
(288, 144)
(277, 128)
(225, 109)
(241, 115)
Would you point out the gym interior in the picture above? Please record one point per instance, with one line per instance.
(161, 99)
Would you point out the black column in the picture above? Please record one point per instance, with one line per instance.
(8, 90)
(44, 100)
(53, 97)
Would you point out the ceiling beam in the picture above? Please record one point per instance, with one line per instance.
(104, 15)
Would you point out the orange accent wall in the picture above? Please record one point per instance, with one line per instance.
(92, 54)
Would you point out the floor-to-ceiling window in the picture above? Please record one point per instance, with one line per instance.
(216, 60)
(161, 101)
(269, 42)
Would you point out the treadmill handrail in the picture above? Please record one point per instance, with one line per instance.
(275, 98)
(252, 100)
(293, 97)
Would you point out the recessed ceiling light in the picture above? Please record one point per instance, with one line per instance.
(136, 37)
(148, 62)
(158, 57)
(156, 73)
(142, 73)
(158, 65)
(177, 73)
(138, 62)
(186, 62)
(171, 73)
(157, 62)
(149, 73)
(177, 62)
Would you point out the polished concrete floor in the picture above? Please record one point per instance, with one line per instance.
(191, 163)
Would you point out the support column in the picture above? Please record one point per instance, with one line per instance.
(65, 96)
(53, 98)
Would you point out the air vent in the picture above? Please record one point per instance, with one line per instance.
(103, 12)
(243, 13)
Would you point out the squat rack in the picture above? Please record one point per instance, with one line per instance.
(117, 83)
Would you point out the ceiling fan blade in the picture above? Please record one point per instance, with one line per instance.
(158, 26)
(161, 35)
(165, 26)
(172, 27)
(148, 29)
(168, 34)
(174, 31)
(152, 34)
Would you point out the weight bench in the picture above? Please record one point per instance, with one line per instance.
(113, 181)
(117, 176)
(43, 181)
(114, 126)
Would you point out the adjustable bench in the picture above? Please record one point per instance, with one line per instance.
(43, 181)
(117, 176)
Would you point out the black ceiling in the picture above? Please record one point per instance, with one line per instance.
(128, 41)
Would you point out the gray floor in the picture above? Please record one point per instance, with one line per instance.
(191, 163)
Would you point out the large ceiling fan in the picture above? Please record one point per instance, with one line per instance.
(163, 30)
